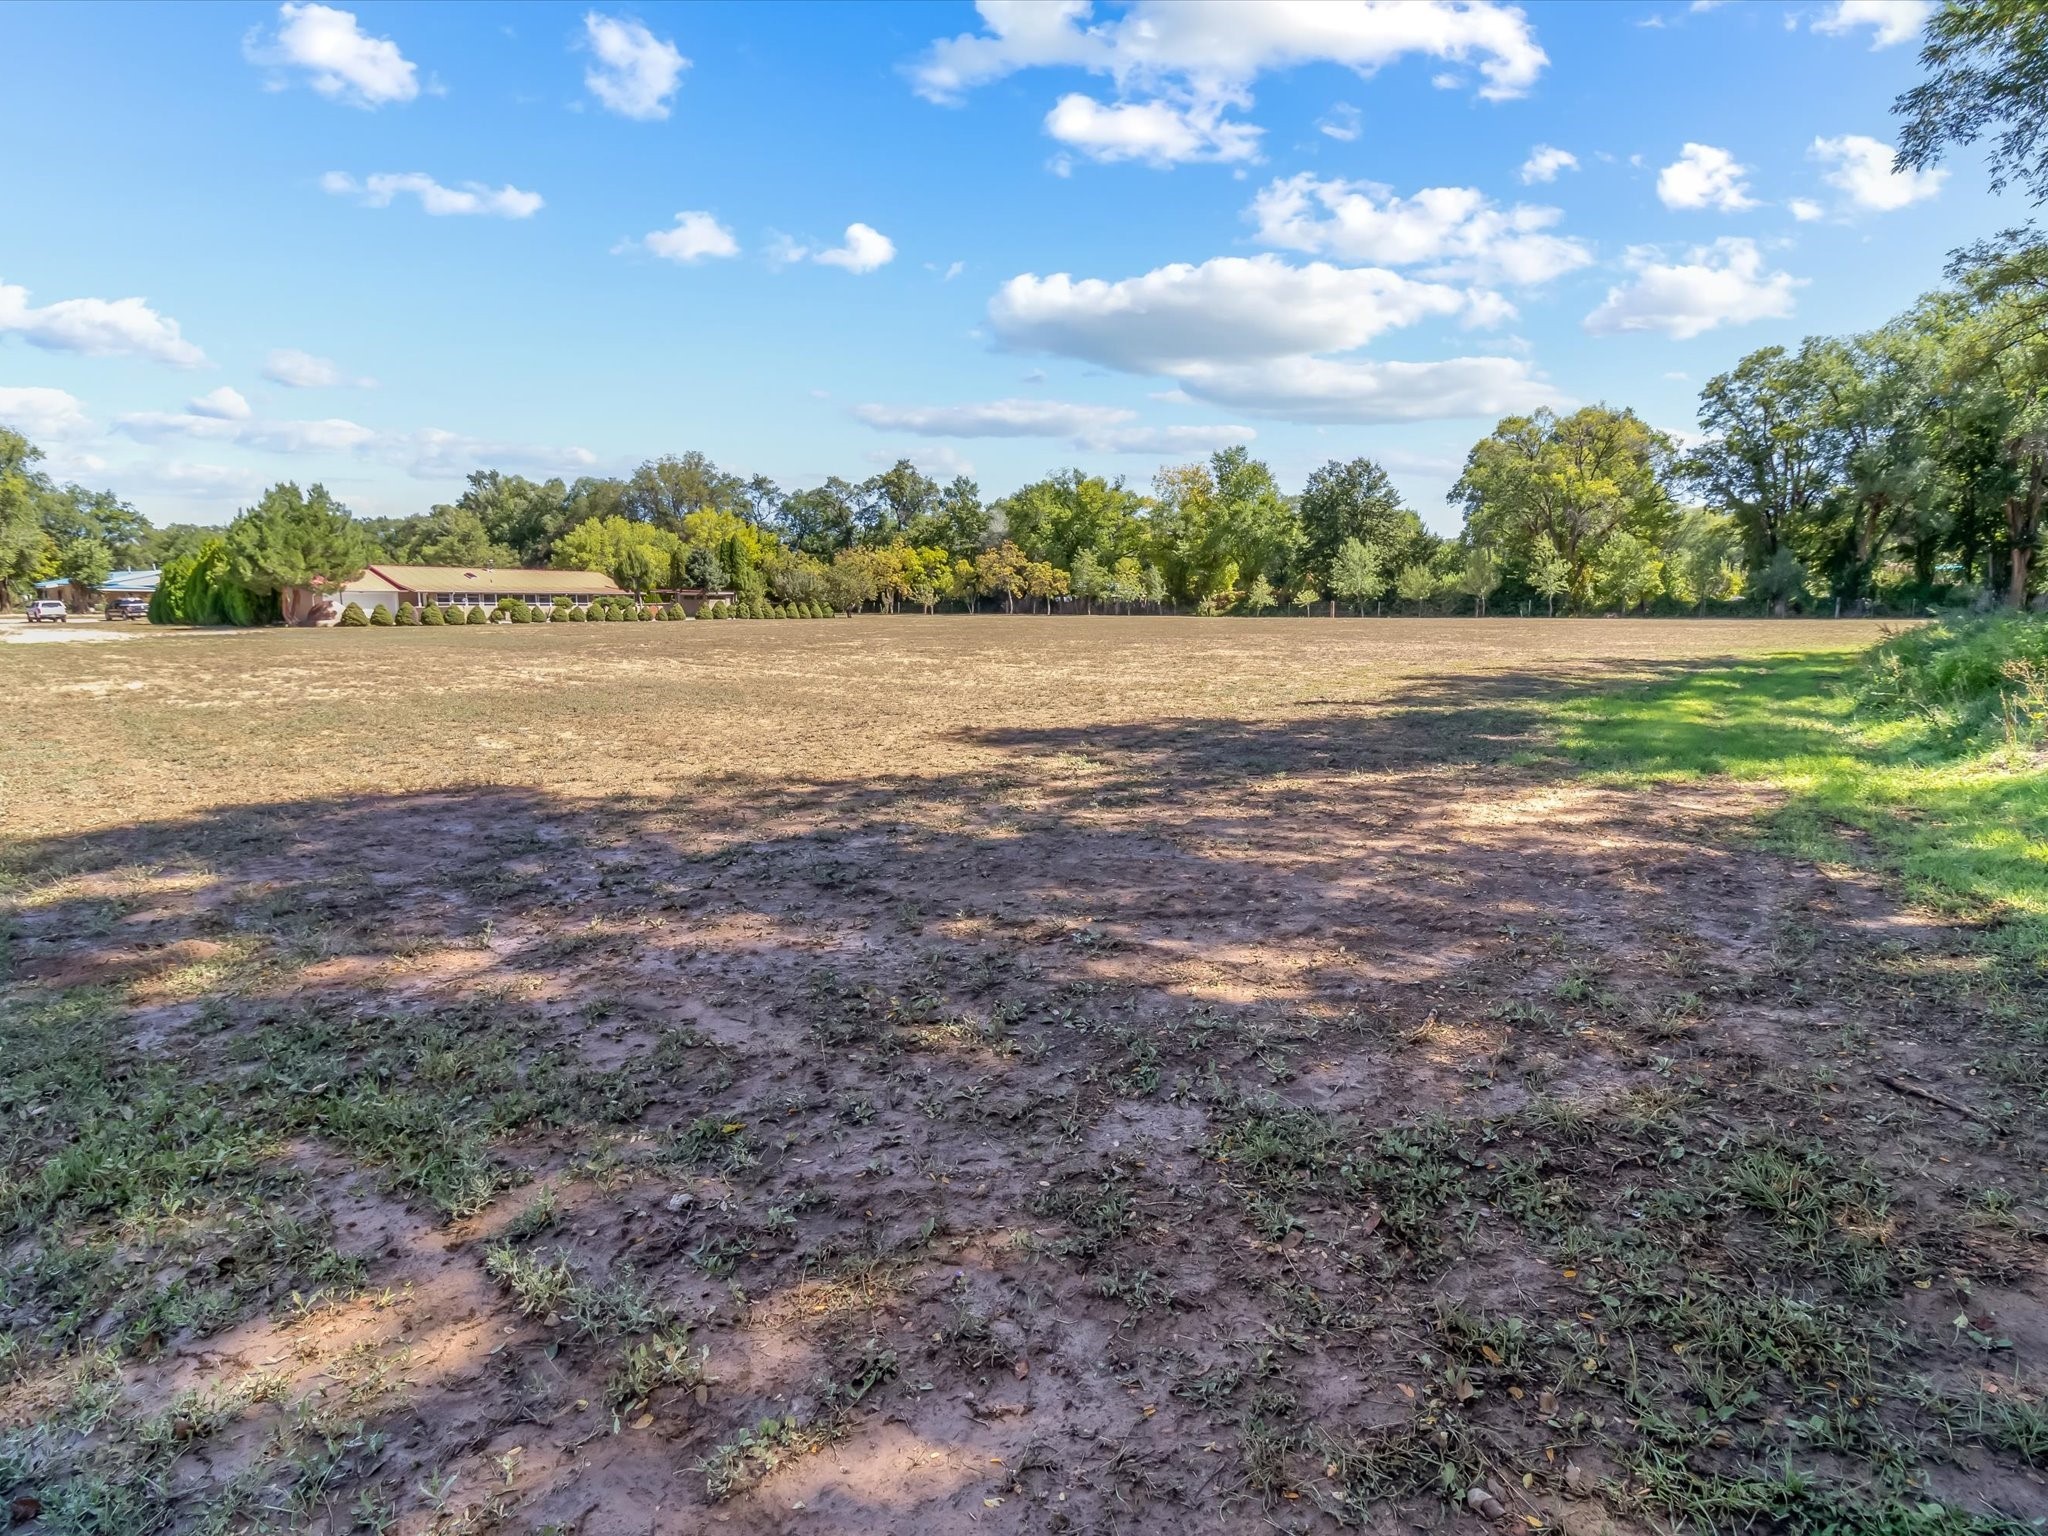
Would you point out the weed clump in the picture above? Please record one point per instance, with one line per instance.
(1967, 682)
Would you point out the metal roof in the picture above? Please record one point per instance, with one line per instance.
(507, 581)
(117, 581)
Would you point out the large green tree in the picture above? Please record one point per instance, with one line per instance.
(1874, 392)
(1987, 76)
(1351, 499)
(1220, 523)
(1766, 460)
(25, 551)
(888, 505)
(292, 540)
(1573, 481)
(666, 490)
(820, 521)
(1066, 515)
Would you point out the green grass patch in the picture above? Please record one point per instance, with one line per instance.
(1964, 821)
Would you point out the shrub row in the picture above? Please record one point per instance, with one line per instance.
(762, 609)
(512, 611)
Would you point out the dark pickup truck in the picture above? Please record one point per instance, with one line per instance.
(128, 608)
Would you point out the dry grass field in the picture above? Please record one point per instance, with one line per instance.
(1009, 1075)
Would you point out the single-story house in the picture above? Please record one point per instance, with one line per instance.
(118, 584)
(389, 586)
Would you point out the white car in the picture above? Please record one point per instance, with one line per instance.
(47, 608)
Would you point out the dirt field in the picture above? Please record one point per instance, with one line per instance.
(1008, 1075)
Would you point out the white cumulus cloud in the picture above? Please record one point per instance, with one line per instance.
(1230, 308)
(303, 370)
(225, 403)
(338, 58)
(695, 236)
(1890, 21)
(1705, 177)
(995, 418)
(1342, 123)
(42, 414)
(1545, 161)
(863, 249)
(472, 197)
(1159, 133)
(1805, 209)
(432, 453)
(1218, 48)
(1338, 390)
(1450, 231)
(1715, 285)
(1861, 169)
(634, 73)
(1257, 333)
(428, 453)
(1179, 67)
(96, 328)
(1096, 428)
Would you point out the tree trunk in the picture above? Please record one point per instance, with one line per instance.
(2022, 522)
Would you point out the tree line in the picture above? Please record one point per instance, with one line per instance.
(1883, 471)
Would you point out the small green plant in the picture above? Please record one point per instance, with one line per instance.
(353, 617)
(431, 614)
(750, 1456)
(478, 616)
(380, 617)
(663, 1360)
(408, 616)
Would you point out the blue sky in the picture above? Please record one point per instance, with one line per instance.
(382, 245)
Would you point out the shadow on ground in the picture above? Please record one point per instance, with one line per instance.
(1192, 1124)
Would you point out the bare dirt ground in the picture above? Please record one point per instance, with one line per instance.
(1001, 1074)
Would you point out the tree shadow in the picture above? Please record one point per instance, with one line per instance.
(931, 1066)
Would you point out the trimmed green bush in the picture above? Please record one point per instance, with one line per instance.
(353, 617)
(577, 616)
(478, 616)
(431, 615)
(200, 589)
(408, 616)
(380, 617)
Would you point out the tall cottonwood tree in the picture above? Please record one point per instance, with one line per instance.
(1765, 460)
(1574, 481)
